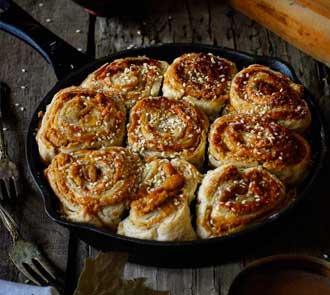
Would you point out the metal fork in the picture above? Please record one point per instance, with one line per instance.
(8, 170)
(24, 254)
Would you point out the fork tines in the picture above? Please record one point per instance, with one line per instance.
(8, 188)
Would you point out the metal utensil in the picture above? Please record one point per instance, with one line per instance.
(24, 254)
(8, 170)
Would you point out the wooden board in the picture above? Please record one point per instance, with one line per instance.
(209, 22)
(212, 22)
(38, 79)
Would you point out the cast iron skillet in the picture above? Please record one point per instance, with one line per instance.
(71, 67)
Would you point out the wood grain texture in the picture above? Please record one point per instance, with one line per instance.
(212, 22)
(15, 55)
(305, 26)
(320, 6)
(209, 22)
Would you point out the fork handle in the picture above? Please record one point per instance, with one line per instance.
(9, 223)
(4, 92)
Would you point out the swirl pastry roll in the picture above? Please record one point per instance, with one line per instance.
(79, 118)
(230, 197)
(161, 211)
(259, 90)
(162, 127)
(95, 187)
(251, 141)
(202, 79)
(133, 77)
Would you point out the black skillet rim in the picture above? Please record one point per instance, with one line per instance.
(33, 158)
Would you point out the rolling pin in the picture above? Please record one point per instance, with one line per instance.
(303, 23)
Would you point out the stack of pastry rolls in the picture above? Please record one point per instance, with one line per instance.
(194, 149)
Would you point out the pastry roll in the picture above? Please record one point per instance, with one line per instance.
(79, 118)
(162, 127)
(230, 197)
(259, 90)
(95, 187)
(200, 78)
(161, 211)
(251, 141)
(133, 77)
(158, 170)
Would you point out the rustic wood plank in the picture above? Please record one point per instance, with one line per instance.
(308, 232)
(169, 21)
(173, 21)
(214, 23)
(65, 18)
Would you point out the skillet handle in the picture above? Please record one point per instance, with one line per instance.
(59, 54)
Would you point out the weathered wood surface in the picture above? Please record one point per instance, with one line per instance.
(38, 79)
(208, 22)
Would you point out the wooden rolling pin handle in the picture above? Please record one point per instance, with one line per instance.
(303, 23)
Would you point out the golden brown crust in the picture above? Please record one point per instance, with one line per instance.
(133, 77)
(250, 140)
(165, 193)
(161, 211)
(161, 175)
(200, 78)
(167, 128)
(259, 90)
(231, 197)
(79, 118)
(95, 186)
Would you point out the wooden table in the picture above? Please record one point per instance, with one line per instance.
(210, 22)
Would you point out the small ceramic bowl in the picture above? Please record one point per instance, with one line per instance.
(284, 275)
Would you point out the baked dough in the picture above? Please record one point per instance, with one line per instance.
(203, 79)
(161, 127)
(258, 160)
(95, 187)
(161, 211)
(258, 90)
(230, 197)
(133, 77)
(79, 118)
(250, 140)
